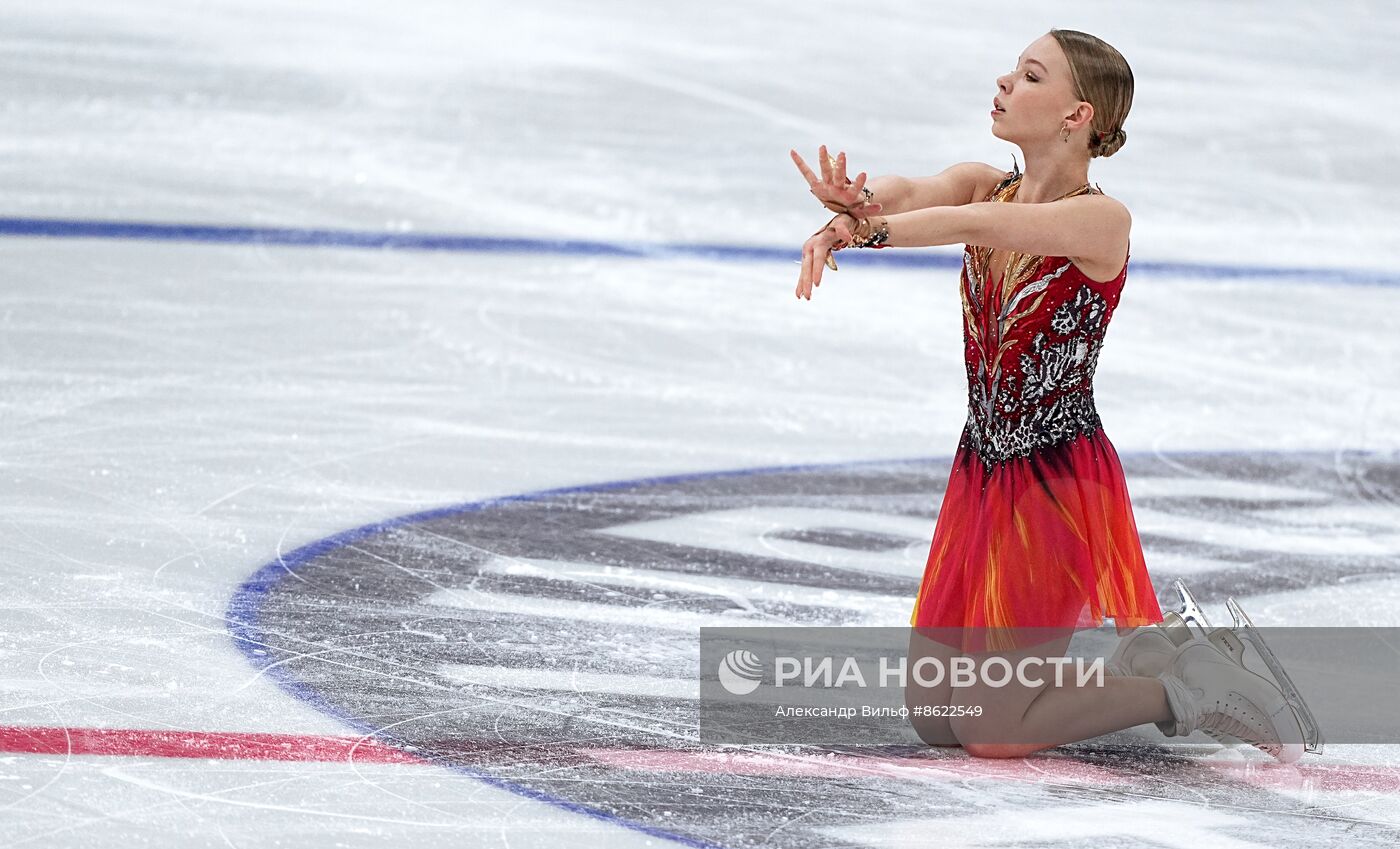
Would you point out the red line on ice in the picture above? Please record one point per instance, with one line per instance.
(123, 742)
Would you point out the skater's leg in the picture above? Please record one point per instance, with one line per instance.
(1018, 719)
(1072, 712)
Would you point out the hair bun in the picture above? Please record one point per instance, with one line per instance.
(1106, 144)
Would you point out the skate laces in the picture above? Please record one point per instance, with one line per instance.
(1225, 723)
(1232, 711)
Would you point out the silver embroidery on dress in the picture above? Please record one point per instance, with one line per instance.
(1049, 398)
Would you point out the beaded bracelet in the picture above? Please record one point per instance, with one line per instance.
(876, 240)
(867, 235)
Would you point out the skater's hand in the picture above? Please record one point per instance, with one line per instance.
(834, 190)
(818, 248)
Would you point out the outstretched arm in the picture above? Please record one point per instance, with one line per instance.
(1085, 226)
(955, 185)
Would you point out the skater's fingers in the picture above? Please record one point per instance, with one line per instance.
(824, 252)
(863, 210)
(825, 163)
(808, 261)
(806, 267)
(802, 166)
(840, 176)
(819, 256)
(823, 258)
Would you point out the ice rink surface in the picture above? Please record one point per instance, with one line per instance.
(188, 415)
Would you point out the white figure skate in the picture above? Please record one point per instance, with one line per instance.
(1148, 651)
(1210, 689)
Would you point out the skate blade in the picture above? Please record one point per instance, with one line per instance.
(1245, 628)
(1190, 611)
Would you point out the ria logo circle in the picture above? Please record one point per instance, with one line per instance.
(548, 643)
(740, 672)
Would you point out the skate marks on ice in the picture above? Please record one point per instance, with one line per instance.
(548, 643)
(1273, 524)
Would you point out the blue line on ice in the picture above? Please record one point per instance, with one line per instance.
(381, 240)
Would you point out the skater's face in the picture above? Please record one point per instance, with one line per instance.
(1037, 98)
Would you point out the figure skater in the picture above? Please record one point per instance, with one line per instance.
(1036, 536)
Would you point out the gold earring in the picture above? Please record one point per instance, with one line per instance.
(1065, 130)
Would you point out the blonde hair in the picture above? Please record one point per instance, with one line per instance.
(1101, 77)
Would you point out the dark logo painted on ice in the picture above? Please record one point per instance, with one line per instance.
(548, 643)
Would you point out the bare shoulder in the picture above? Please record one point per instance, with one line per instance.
(1108, 218)
(1119, 209)
(985, 178)
(1102, 211)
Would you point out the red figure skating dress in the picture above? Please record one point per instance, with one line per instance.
(1035, 529)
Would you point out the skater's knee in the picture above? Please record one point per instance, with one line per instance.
(999, 750)
(990, 736)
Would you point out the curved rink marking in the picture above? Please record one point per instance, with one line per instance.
(243, 612)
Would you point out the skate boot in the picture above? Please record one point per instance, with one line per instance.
(1148, 651)
(1210, 689)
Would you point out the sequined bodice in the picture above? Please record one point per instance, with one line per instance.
(1031, 345)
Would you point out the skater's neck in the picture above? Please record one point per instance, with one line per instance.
(1050, 173)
